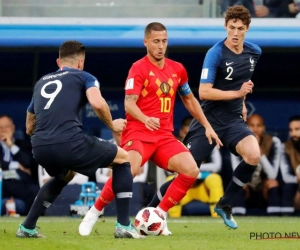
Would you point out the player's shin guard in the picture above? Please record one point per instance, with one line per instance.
(122, 187)
(176, 191)
(106, 195)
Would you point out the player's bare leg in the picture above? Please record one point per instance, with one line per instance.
(184, 164)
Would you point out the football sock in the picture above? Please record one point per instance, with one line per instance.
(238, 202)
(160, 193)
(122, 187)
(241, 175)
(176, 191)
(46, 195)
(106, 195)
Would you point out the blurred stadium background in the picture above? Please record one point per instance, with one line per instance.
(32, 30)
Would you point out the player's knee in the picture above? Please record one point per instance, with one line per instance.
(135, 170)
(252, 158)
(192, 172)
(122, 156)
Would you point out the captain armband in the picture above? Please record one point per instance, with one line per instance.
(184, 89)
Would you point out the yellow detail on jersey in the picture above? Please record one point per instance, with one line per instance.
(146, 83)
(171, 83)
(129, 143)
(144, 92)
(165, 104)
(151, 73)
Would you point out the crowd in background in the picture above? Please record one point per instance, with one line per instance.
(267, 8)
(273, 190)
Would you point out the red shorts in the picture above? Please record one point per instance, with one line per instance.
(160, 151)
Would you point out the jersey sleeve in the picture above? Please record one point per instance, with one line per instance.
(211, 63)
(31, 107)
(90, 81)
(183, 75)
(135, 80)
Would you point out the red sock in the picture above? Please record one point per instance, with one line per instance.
(106, 195)
(176, 191)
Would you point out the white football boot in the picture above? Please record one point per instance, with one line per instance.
(166, 231)
(89, 221)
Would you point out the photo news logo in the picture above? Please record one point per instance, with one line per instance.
(274, 235)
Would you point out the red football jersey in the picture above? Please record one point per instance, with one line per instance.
(156, 89)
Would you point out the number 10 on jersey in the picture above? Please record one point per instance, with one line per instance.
(165, 104)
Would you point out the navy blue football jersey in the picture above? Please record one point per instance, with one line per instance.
(58, 100)
(227, 70)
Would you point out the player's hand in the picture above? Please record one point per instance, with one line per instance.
(7, 139)
(152, 123)
(246, 88)
(211, 134)
(119, 125)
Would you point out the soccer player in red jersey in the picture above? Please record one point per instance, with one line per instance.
(150, 93)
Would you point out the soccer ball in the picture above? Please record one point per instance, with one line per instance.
(150, 221)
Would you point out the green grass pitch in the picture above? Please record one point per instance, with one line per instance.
(189, 233)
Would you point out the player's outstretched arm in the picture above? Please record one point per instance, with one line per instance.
(193, 106)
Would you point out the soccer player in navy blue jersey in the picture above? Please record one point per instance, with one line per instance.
(54, 123)
(225, 82)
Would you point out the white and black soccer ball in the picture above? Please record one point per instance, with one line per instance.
(150, 221)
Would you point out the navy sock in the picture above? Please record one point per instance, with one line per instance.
(122, 187)
(241, 175)
(46, 195)
(239, 199)
(160, 193)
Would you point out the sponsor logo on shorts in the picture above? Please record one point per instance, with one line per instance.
(128, 144)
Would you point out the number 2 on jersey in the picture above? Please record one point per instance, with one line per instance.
(165, 104)
(51, 96)
(230, 70)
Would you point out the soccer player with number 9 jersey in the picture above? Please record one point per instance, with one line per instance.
(54, 122)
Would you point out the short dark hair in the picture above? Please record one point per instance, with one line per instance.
(71, 48)
(154, 26)
(238, 12)
(6, 115)
(294, 118)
